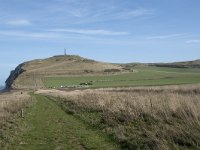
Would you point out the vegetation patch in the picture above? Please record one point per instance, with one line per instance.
(47, 126)
(142, 76)
(12, 105)
(141, 118)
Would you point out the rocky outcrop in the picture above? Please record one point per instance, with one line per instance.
(13, 75)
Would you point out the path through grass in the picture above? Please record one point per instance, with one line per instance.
(47, 126)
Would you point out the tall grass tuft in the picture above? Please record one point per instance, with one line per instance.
(140, 118)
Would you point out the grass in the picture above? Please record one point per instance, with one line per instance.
(143, 76)
(139, 118)
(11, 104)
(162, 117)
(175, 70)
(47, 126)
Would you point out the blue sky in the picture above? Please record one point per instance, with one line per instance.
(106, 30)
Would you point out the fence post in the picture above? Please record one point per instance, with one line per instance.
(151, 105)
(22, 113)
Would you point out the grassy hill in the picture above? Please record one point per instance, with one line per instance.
(161, 117)
(67, 65)
(186, 64)
(75, 71)
(58, 66)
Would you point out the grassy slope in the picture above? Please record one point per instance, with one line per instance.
(47, 126)
(71, 65)
(174, 70)
(45, 123)
(186, 64)
(59, 66)
(164, 127)
(144, 76)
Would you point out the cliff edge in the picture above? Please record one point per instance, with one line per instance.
(13, 75)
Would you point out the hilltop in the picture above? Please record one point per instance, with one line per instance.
(62, 70)
(29, 74)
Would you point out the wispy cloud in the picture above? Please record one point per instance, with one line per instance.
(103, 15)
(28, 34)
(193, 41)
(90, 32)
(19, 22)
(161, 37)
(70, 12)
(101, 11)
(59, 36)
(136, 12)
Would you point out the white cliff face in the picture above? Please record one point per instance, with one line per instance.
(13, 75)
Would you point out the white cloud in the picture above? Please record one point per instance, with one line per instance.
(19, 22)
(90, 32)
(161, 37)
(36, 35)
(137, 12)
(193, 41)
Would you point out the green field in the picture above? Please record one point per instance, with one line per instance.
(142, 77)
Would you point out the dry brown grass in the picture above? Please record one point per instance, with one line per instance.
(11, 103)
(144, 117)
(157, 101)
